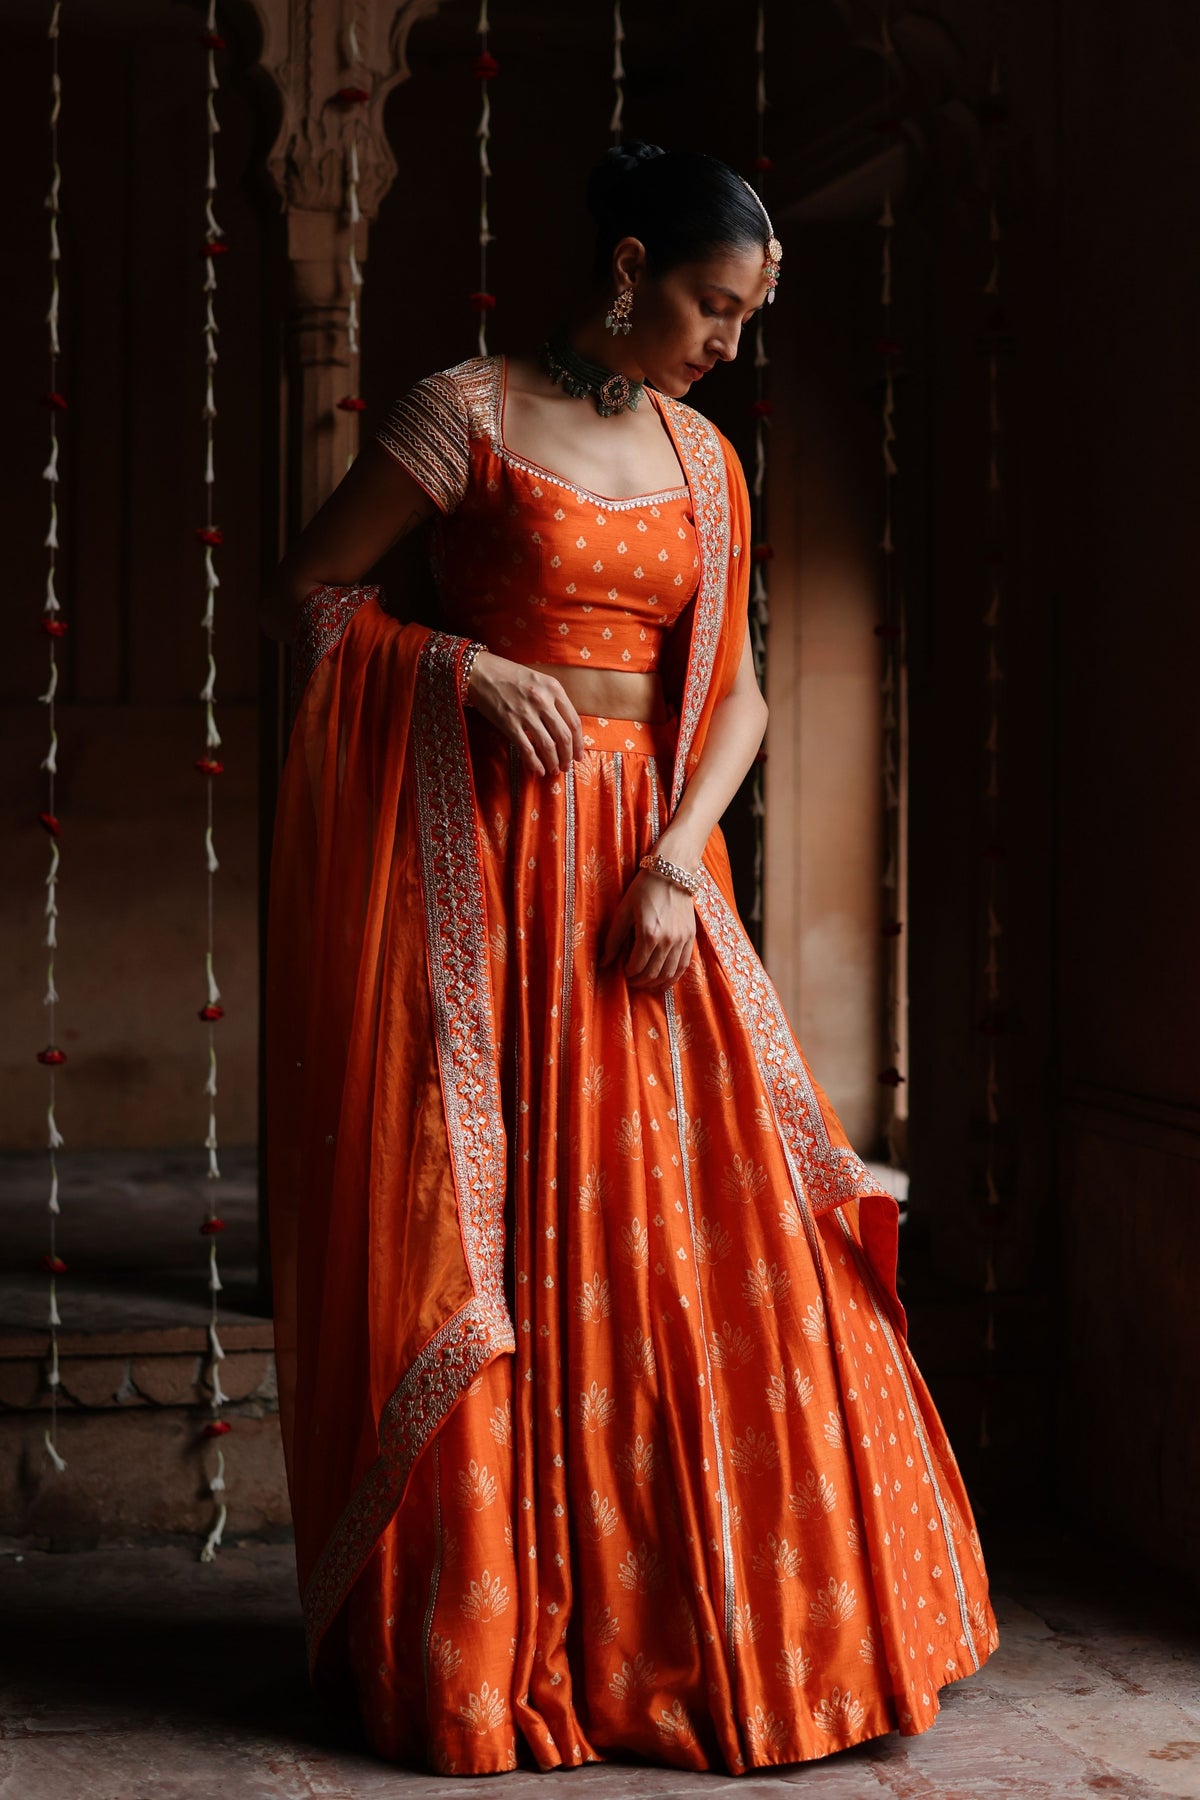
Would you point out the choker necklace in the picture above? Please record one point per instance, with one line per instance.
(611, 391)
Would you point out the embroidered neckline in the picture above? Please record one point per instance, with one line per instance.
(608, 502)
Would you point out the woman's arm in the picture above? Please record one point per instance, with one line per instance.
(659, 915)
(375, 504)
(735, 734)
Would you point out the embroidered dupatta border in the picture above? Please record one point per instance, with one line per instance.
(320, 624)
(703, 461)
(456, 945)
(832, 1173)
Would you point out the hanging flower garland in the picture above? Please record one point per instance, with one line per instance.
(352, 97)
(890, 632)
(54, 627)
(210, 538)
(484, 68)
(992, 1023)
(760, 549)
(617, 123)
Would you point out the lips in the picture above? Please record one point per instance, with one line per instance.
(699, 369)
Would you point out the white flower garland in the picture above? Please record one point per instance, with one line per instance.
(51, 1057)
(210, 767)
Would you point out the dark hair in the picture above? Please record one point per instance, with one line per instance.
(682, 204)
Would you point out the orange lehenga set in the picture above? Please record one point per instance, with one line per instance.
(603, 1435)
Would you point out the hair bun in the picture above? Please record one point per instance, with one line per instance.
(607, 180)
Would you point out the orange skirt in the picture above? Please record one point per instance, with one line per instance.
(706, 1515)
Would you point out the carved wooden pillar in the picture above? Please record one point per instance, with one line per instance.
(334, 63)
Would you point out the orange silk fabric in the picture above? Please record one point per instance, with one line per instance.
(556, 579)
(601, 1428)
(590, 1560)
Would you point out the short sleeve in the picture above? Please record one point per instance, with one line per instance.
(426, 431)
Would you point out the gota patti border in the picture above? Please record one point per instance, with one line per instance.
(703, 459)
(456, 943)
(832, 1173)
(323, 617)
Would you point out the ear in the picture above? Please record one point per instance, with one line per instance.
(629, 261)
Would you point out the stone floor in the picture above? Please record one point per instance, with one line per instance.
(128, 1232)
(139, 1674)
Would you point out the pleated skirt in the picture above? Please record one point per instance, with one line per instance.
(706, 1515)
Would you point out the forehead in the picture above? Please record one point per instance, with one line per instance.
(736, 272)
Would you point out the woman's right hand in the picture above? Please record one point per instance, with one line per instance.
(531, 709)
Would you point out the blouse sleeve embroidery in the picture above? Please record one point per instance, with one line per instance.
(426, 431)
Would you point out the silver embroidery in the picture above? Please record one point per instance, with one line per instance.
(832, 1173)
(457, 951)
(568, 971)
(681, 1125)
(322, 618)
(617, 766)
(699, 450)
(436, 1574)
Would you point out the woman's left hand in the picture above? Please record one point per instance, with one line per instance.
(662, 919)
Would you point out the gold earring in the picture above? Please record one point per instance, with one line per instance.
(617, 317)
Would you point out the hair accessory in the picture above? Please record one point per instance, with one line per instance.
(464, 669)
(774, 248)
(680, 878)
(771, 267)
(611, 391)
(617, 317)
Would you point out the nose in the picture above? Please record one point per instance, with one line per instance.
(725, 343)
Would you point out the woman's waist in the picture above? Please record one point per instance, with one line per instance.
(604, 692)
(604, 732)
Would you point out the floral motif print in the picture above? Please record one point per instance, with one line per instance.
(727, 1528)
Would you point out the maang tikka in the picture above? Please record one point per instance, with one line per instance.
(617, 316)
(773, 248)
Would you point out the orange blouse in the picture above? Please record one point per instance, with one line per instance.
(535, 566)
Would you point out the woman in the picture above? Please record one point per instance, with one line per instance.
(602, 1432)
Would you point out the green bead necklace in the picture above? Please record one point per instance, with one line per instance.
(611, 391)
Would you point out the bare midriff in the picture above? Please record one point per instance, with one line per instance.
(610, 693)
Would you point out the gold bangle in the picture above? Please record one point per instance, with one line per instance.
(680, 878)
(464, 669)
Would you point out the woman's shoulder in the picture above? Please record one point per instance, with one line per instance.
(471, 388)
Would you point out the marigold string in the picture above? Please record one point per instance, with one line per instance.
(54, 627)
(485, 68)
(617, 121)
(353, 95)
(208, 764)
